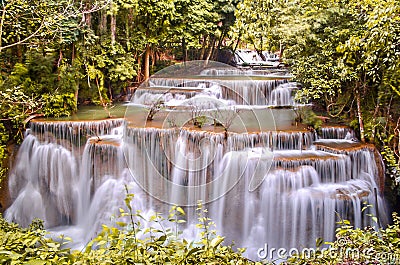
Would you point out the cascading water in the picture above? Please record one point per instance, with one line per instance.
(282, 95)
(244, 91)
(253, 58)
(279, 187)
(336, 132)
(223, 71)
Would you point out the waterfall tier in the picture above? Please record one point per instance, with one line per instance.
(73, 132)
(336, 132)
(243, 91)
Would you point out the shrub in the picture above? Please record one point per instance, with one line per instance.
(358, 246)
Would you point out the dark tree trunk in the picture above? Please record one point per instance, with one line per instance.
(203, 48)
(184, 50)
(103, 23)
(19, 53)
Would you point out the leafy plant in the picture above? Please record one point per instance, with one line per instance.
(306, 116)
(199, 121)
(159, 242)
(3, 152)
(30, 245)
(358, 246)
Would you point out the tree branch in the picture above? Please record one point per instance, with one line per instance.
(24, 40)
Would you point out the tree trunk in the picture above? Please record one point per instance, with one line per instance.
(76, 93)
(88, 16)
(359, 114)
(113, 29)
(221, 39)
(184, 50)
(113, 26)
(147, 62)
(210, 51)
(60, 57)
(153, 58)
(237, 43)
(110, 91)
(103, 23)
(376, 112)
(203, 48)
(19, 53)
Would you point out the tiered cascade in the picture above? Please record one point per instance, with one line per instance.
(281, 187)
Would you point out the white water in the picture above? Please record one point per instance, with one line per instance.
(247, 92)
(273, 73)
(282, 95)
(252, 58)
(271, 188)
(244, 91)
(336, 133)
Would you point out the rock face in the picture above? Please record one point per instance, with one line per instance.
(277, 187)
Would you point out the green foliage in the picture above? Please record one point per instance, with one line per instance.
(199, 121)
(58, 105)
(392, 165)
(114, 37)
(358, 246)
(255, 23)
(195, 19)
(306, 116)
(29, 245)
(114, 59)
(33, 88)
(98, 77)
(33, 22)
(3, 151)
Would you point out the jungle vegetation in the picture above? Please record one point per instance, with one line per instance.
(58, 54)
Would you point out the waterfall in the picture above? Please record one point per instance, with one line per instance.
(272, 73)
(253, 58)
(277, 187)
(282, 95)
(148, 96)
(42, 184)
(244, 91)
(328, 132)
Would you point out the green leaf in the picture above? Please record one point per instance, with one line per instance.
(216, 241)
